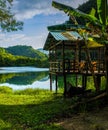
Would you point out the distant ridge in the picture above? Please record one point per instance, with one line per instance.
(24, 56)
(28, 51)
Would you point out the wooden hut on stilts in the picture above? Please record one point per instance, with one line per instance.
(68, 56)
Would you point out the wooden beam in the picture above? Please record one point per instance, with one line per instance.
(50, 48)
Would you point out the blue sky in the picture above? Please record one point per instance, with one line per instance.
(36, 15)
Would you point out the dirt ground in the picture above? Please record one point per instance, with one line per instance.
(96, 120)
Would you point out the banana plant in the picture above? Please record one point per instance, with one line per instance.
(102, 9)
(70, 11)
(101, 22)
(98, 25)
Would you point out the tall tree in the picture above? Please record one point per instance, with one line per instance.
(7, 19)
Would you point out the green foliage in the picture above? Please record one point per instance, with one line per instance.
(52, 126)
(7, 20)
(7, 59)
(97, 21)
(30, 91)
(75, 12)
(28, 51)
(34, 111)
(102, 9)
(103, 83)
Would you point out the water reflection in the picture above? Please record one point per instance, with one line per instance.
(24, 80)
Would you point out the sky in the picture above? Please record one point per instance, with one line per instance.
(37, 15)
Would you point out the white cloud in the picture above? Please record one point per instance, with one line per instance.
(22, 39)
(2, 36)
(26, 9)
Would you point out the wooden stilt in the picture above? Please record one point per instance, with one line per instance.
(50, 82)
(76, 80)
(84, 81)
(56, 83)
(65, 85)
(98, 79)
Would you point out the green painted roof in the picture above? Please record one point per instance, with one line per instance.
(56, 36)
(65, 35)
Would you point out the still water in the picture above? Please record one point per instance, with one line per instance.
(20, 78)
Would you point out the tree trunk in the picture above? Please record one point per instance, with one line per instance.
(90, 65)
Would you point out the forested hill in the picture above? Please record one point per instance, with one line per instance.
(8, 59)
(28, 51)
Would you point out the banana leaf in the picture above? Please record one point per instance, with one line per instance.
(75, 12)
(102, 9)
(93, 12)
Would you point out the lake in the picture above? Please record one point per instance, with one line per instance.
(20, 78)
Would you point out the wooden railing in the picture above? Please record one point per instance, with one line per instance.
(56, 66)
(76, 67)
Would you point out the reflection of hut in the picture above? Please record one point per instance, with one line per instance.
(67, 56)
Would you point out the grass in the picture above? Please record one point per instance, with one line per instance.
(31, 109)
(34, 109)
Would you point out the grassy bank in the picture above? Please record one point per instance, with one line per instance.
(31, 109)
(35, 109)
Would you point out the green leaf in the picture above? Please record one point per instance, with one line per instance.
(75, 12)
(7, 20)
(102, 9)
(93, 12)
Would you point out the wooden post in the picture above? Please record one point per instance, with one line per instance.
(76, 76)
(64, 74)
(50, 82)
(99, 60)
(98, 78)
(56, 83)
(84, 81)
(65, 85)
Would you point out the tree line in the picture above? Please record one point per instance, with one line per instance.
(7, 59)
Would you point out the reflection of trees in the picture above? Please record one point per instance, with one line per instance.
(5, 77)
(22, 78)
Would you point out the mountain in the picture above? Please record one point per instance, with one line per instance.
(28, 51)
(4, 53)
(8, 59)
